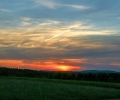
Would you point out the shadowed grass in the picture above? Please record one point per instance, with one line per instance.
(46, 89)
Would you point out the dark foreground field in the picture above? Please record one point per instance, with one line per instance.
(13, 88)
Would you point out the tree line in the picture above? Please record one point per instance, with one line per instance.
(102, 77)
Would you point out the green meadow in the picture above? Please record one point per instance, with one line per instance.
(16, 88)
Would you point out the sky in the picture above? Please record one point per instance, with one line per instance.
(60, 35)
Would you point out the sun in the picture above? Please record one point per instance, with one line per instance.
(63, 68)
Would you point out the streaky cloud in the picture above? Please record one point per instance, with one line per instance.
(52, 4)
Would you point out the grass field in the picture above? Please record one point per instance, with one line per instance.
(13, 88)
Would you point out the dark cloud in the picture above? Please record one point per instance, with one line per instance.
(109, 48)
(100, 67)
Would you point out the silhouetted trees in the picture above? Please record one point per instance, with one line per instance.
(104, 77)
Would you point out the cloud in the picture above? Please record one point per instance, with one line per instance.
(6, 10)
(30, 34)
(77, 6)
(57, 35)
(88, 52)
(47, 3)
(69, 47)
(26, 18)
(74, 33)
(118, 18)
(101, 67)
(25, 24)
(52, 4)
(116, 64)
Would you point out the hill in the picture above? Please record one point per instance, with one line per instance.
(98, 71)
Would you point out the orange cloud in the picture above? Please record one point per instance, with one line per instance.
(116, 64)
(36, 65)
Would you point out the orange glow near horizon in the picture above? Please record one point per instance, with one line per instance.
(36, 65)
(63, 68)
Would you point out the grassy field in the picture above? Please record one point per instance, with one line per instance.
(13, 88)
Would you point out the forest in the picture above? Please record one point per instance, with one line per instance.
(84, 76)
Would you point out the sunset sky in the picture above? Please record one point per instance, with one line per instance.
(60, 35)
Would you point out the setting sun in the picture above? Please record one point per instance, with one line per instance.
(64, 68)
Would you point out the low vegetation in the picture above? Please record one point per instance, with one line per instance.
(17, 88)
